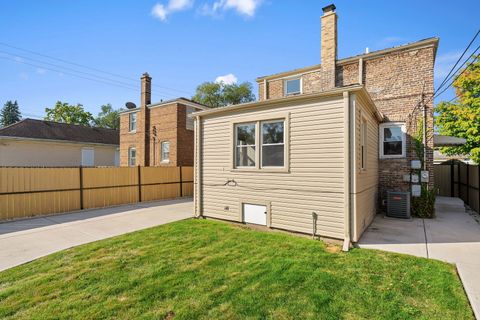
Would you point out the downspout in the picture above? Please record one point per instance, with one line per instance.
(346, 125)
(424, 135)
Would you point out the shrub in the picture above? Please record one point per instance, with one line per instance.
(424, 206)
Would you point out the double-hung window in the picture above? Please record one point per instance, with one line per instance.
(260, 144)
(132, 157)
(392, 140)
(132, 122)
(293, 86)
(245, 149)
(165, 151)
(273, 145)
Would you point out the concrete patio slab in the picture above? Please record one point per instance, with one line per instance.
(453, 236)
(25, 240)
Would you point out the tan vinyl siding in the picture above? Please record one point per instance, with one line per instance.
(366, 181)
(314, 181)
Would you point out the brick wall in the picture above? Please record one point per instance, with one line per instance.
(170, 123)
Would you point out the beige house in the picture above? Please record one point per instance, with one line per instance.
(325, 144)
(39, 143)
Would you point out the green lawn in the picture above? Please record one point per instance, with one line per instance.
(199, 269)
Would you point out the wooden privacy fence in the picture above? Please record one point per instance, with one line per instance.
(27, 192)
(459, 179)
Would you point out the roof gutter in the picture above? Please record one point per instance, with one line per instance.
(58, 141)
(281, 101)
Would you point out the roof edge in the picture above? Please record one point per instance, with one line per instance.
(366, 56)
(333, 92)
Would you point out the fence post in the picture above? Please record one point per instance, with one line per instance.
(81, 187)
(181, 182)
(139, 184)
(468, 184)
(452, 180)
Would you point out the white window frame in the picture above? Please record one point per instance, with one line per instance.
(404, 139)
(285, 93)
(363, 143)
(246, 145)
(162, 158)
(276, 116)
(130, 116)
(260, 124)
(130, 156)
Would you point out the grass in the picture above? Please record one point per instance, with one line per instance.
(198, 269)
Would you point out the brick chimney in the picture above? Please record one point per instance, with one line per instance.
(143, 121)
(328, 48)
(146, 90)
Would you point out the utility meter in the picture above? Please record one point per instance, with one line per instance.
(415, 178)
(425, 176)
(416, 190)
(416, 164)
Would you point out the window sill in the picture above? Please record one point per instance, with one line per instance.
(392, 157)
(133, 131)
(260, 170)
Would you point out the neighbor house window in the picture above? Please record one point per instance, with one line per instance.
(132, 156)
(132, 123)
(363, 143)
(245, 145)
(392, 140)
(165, 150)
(273, 147)
(293, 86)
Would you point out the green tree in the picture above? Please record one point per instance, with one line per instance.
(66, 113)
(10, 113)
(108, 117)
(462, 117)
(219, 94)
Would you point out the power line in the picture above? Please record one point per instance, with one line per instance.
(72, 74)
(460, 58)
(62, 68)
(87, 67)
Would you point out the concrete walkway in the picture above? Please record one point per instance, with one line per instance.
(453, 236)
(25, 240)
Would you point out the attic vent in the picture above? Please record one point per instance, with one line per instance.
(398, 205)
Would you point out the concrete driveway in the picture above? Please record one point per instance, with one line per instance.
(453, 236)
(25, 240)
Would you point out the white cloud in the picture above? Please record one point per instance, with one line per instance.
(41, 71)
(162, 11)
(227, 79)
(243, 7)
(444, 63)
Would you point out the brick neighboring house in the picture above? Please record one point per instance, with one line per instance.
(399, 80)
(158, 134)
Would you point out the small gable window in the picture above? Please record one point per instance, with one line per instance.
(293, 86)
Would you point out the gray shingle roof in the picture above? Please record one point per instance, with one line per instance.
(41, 129)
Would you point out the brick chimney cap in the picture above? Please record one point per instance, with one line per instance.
(329, 8)
(145, 75)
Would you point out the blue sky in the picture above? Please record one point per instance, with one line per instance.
(182, 43)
